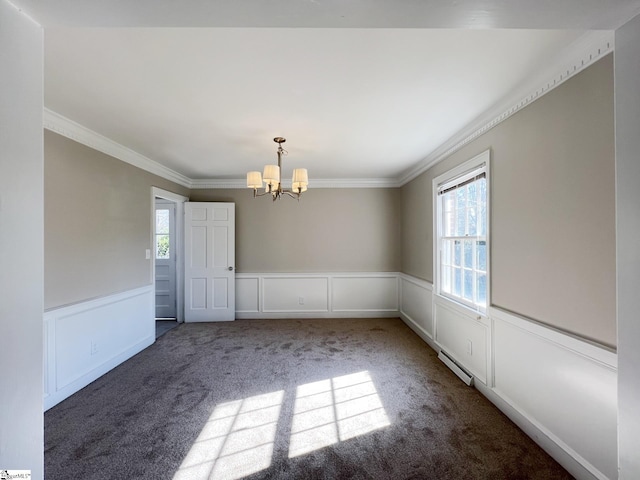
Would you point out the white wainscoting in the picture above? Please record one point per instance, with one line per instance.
(464, 335)
(317, 295)
(416, 306)
(85, 340)
(564, 386)
(561, 390)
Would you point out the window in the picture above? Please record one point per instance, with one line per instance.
(462, 233)
(162, 234)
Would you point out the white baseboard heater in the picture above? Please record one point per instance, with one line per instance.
(455, 368)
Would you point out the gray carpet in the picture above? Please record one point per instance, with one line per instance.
(163, 326)
(287, 399)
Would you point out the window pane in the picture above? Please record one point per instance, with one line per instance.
(468, 285)
(472, 193)
(481, 253)
(162, 221)
(468, 254)
(162, 246)
(449, 223)
(472, 221)
(481, 290)
(461, 221)
(457, 252)
(446, 252)
(457, 282)
(461, 198)
(446, 279)
(482, 206)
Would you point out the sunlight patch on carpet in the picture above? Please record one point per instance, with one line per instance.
(334, 410)
(237, 440)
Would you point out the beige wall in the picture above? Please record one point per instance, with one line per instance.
(553, 208)
(98, 226)
(97, 222)
(328, 230)
(553, 231)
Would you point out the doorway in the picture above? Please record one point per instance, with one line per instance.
(167, 264)
(164, 247)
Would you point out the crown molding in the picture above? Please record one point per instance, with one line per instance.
(314, 183)
(585, 51)
(68, 128)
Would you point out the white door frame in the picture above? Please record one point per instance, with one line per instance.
(179, 200)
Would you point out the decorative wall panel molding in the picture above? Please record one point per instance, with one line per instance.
(564, 386)
(85, 340)
(560, 389)
(416, 306)
(317, 295)
(464, 335)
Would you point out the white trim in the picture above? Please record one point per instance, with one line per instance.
(68, 128)
(179, 200)
(589, 48)
(314, 183)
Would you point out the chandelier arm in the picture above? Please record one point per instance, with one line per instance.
(256, 194)
(292, 194)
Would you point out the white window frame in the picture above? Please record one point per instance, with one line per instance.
(450, 178)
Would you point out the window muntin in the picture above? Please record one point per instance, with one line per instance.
(462, 236)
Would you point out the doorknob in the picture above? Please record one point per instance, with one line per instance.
(230, 269)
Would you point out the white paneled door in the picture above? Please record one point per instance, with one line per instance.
(209, 281)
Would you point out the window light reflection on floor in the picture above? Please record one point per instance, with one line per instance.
(334, 410)
(237, 440)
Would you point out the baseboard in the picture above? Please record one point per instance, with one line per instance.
(311, 315)
(84, 341)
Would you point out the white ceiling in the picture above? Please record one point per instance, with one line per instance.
(353, 103)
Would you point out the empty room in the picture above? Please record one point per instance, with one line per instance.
(320, 240)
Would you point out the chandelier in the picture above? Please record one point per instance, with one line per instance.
(271, 178)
